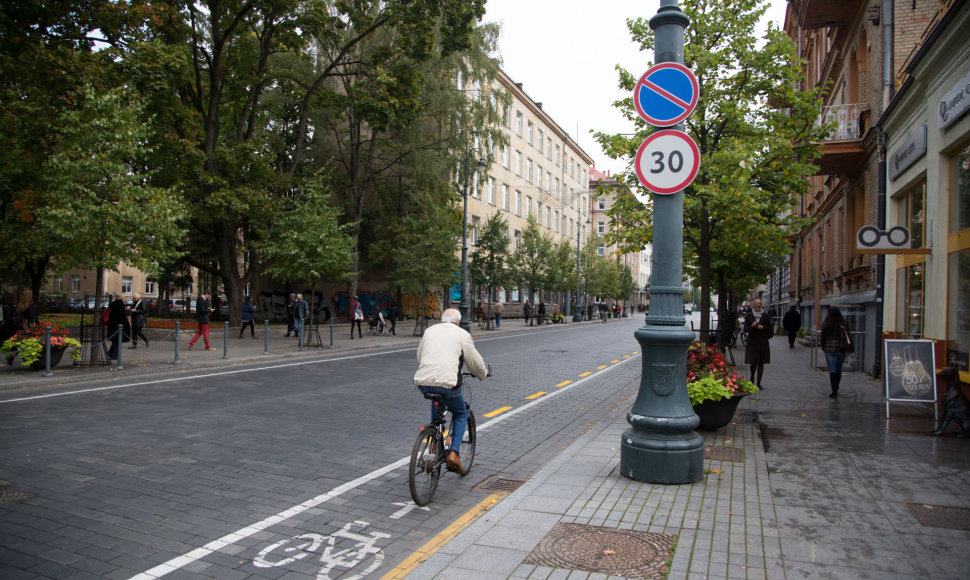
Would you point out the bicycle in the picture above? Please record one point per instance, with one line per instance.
(433, 444)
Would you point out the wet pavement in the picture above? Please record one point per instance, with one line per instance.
(822, 489)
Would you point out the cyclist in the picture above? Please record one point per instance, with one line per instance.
(443, 349)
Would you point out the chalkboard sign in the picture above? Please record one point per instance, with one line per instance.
(910, 371)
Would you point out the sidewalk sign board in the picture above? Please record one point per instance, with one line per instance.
(666, 94)
(667, 162)
(911, 372)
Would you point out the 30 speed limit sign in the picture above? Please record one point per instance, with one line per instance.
(667, 162)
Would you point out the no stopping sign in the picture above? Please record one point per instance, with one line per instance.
(667, 162)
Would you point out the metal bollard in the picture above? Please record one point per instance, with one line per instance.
(225, 340)
(266, 337)
(331, 331)
(47, 350)
(176, 342)
(302, 334)
(121, 342)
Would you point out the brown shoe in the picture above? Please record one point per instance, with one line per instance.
(454, 463)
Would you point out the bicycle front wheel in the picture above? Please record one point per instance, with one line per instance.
(468, 443)
(424, 468)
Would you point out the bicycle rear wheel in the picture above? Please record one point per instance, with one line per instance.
(424, 469)
(468, 443)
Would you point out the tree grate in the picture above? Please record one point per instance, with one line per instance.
(723, 453)
(623, 553)
(9, 493)
(939, 516)
(497, 483)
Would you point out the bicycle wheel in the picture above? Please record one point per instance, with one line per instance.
(468, 443)
(424, 468)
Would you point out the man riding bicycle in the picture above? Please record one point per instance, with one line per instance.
(443, 349)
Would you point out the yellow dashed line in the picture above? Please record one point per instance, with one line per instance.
(563, 384)
(586, 374)
(601, 367)
(533, 396)
(636, 352)
(498, 411)
(613, 362)
(448, 534)
(626, 356)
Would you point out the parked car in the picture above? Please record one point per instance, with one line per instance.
(688, 309)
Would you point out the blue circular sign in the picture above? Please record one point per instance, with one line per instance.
(666, 94)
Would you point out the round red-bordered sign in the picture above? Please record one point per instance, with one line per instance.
(667, 162)
(666, 94)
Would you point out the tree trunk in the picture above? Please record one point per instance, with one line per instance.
(98, 284)
(228, 260)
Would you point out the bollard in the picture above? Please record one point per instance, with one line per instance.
(331, 330)
(302, 334)
(176, 342)
(121, 342)
(266, 337)
(47, 350)
(225, 340)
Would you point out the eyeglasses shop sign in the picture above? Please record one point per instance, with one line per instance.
(955, 102)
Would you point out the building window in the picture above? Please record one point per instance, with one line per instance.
(505, 156)
(909, 301)
(539, 213)
(475, 223)
(960, 192)
(557, 156)
(508, 116)
(601, 203)
(518, 163)
(540, 141)
(528, 170)
(528, 206)
(548, 179)
(601, 228)
(150, 287)
(491, 190)
(912, 215)
(59, 284)
(539, 176)
(556, 189)
(75, 284)
(549, 148)
(518, 123)
(548, 217)
(505, 197)
(516, 238)
(572, 168)
(126, 285)
(529, 133)
(518, 202)
(555, 221)
(601, 250)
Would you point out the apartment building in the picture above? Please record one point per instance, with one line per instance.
(541, 173)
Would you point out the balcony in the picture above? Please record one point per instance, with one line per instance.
(842, 150)
(826, 13)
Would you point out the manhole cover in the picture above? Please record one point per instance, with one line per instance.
(723, 453)
(939, 516)
(624, 553)
(745, 415)
(9, 493)
(496, 483)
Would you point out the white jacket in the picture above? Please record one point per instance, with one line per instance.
(438, 354)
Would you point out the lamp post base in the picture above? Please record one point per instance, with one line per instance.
(464, 324)
(577, 316)
(662, 458)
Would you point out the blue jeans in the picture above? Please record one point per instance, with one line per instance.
(298, 327)
(835, 361)
(498, 321)
(456, 404)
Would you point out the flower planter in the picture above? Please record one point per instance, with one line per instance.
(56, 353)
(717, 414)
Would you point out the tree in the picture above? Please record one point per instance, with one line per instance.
(562, 270)
(754, 158)
(489, 260)
(531, 264)
(626, 284)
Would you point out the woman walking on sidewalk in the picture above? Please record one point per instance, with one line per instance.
(760, 329)
(835, 341)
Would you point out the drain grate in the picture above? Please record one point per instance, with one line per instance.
(939, 516)
(624, 553)
(723, 453)
(746, 416)
(497, 483)
(9, 493)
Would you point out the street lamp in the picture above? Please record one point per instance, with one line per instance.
(463, 305)
(578, 310)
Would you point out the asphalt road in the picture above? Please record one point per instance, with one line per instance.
(289, 469)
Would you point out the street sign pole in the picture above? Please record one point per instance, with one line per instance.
(662, 446)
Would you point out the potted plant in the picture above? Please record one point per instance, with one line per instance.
(29, 346)
(714, 389)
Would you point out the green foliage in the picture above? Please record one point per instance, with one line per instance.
(562, 267)
(489, 261)
(422, 247)
(709, 378)
(532, 262)
(30, 345)
(626, 283)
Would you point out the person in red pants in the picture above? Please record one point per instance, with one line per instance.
(202, 311)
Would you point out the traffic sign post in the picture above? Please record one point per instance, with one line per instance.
(666, 94)
(667, 162)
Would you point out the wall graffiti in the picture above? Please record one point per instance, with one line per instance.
(431, 304)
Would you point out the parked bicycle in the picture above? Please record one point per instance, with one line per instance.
(432, 446)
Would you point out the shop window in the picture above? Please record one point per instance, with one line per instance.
(960, 191)
(912, 214)
(958, 311)
(909, 301)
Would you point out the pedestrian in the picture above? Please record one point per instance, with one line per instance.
(139, 318)
(356, 314)
(248, 312)
(289, 314)
(542, 312)
(442, 351)
(527, 311)
(392, 313)
(792, 322)
(498, 309)
(116, 317)
(589, 311)
(26, 312)
(7, 311)
(480, 315)
(757, 324)
(202, 311)
(300, 312)
(836, 343)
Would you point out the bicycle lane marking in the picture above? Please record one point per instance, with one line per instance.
(230, 539)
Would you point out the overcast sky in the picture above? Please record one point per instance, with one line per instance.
(564, 53)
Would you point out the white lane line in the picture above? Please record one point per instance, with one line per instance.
(230, 539)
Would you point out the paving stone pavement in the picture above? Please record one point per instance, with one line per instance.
(821, 492)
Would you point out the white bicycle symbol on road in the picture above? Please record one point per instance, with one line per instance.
(299, 547)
